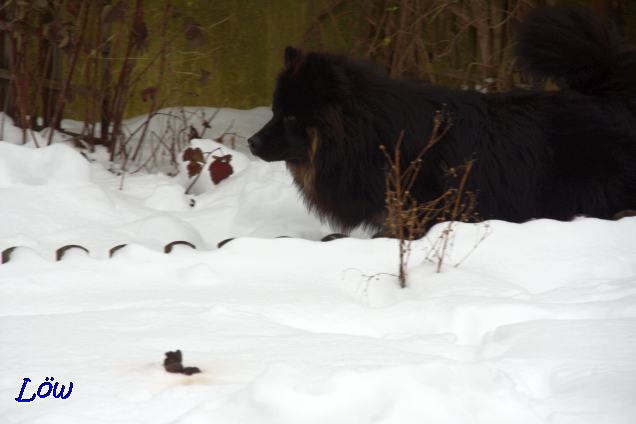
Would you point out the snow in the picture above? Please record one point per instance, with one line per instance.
(537, 324)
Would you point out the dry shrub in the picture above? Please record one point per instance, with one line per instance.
(409, 219)
(94, 57)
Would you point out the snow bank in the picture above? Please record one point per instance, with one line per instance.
(53, 165)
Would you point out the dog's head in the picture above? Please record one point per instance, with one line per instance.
(308, 99)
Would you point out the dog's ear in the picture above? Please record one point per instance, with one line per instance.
(291, 55)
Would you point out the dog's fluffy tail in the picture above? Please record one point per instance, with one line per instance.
(578, 50)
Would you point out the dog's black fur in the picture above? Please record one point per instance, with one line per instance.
(539, 154)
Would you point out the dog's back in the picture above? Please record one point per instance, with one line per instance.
(590, 126)
(562, 153)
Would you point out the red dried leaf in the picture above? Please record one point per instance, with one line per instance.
(220, 168)
(193, 155)
(194, 168)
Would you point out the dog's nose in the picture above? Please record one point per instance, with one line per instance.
(255, 143)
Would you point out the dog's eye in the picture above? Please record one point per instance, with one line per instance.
(289, 119)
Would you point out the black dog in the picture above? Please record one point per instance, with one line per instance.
(538, 154)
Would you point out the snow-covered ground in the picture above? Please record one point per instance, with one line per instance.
(537, 325)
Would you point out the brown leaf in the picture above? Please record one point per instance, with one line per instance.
(220, 168)
(193, 154)
(194, 168)
(174, 363)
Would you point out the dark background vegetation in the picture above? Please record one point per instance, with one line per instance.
(99, 61)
